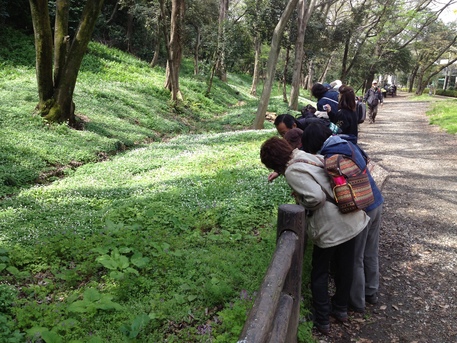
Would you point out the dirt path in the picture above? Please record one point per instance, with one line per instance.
(418, 249)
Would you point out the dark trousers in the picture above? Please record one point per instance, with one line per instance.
(343, 257)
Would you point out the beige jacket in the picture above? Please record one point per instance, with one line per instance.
(327, 226)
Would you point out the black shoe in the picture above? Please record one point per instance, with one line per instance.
(356, 309)
(322, 328)
(371, 299)
(339, 316)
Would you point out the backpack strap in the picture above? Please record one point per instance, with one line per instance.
(324, 97)
(364, 155)
(328, 197)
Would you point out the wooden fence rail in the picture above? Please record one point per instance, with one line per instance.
(275, 314)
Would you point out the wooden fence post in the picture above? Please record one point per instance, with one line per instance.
(292, 218)
(275, 313)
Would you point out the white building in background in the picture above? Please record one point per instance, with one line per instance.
(448, 75)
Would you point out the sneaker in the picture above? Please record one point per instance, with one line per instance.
(356, 309)
(339, 316)
(371, 299)
(322, 328)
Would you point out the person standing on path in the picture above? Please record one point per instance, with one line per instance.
(373, 97)
(346, 117)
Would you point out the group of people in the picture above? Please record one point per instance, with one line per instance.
(345, 245)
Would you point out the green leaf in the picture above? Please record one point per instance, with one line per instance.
(13, 270)
(123, 262)
(177, 253)
(105, 303)
(2, 266)
(125, 250)
(185, 287)
(132, 271)
(107, 262)
(4, 258)
(91, 295)
(36, 330)
(101, 250)
(180, 298)
(51, 337)
(79, 306)
(116, 275)
(66, 324)
(138, 260)
(191, 297)
(138, 324)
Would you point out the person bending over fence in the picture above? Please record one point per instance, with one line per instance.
(331, 231)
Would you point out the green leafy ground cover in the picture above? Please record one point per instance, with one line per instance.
(155, 223)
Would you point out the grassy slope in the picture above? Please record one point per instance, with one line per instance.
(177, 230)
(122, 102)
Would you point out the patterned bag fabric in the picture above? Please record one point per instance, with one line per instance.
(351, 186)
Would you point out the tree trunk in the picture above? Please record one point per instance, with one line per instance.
(61, 38)
(421, 84)
(412, 78)
(155, 58)
(284, 75)
(255, 76)
(221, 72)
(210, 81)
(197, 50)
(56, 100)
(326, 68)
(43, 49)
(176, 34)
(129, 31)
(174, 47)
(310, 74)
(344, 62)
(304, 13)
(166, 38)
(271, 64)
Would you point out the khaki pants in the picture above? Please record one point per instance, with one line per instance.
(372, 112)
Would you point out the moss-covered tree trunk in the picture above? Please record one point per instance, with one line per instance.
(56, 93)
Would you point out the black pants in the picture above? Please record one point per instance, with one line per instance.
(343, 256)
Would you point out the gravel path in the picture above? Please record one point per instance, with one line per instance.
(418, 248)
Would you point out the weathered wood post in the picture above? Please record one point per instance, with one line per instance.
(292, 218)
(275, 314)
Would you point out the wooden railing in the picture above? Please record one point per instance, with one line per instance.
(275, 314)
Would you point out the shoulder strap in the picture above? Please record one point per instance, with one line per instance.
(364, 155)
(328, 197)
(324, 97)
(307, 161)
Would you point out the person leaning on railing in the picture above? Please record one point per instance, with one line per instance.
(331, 231)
